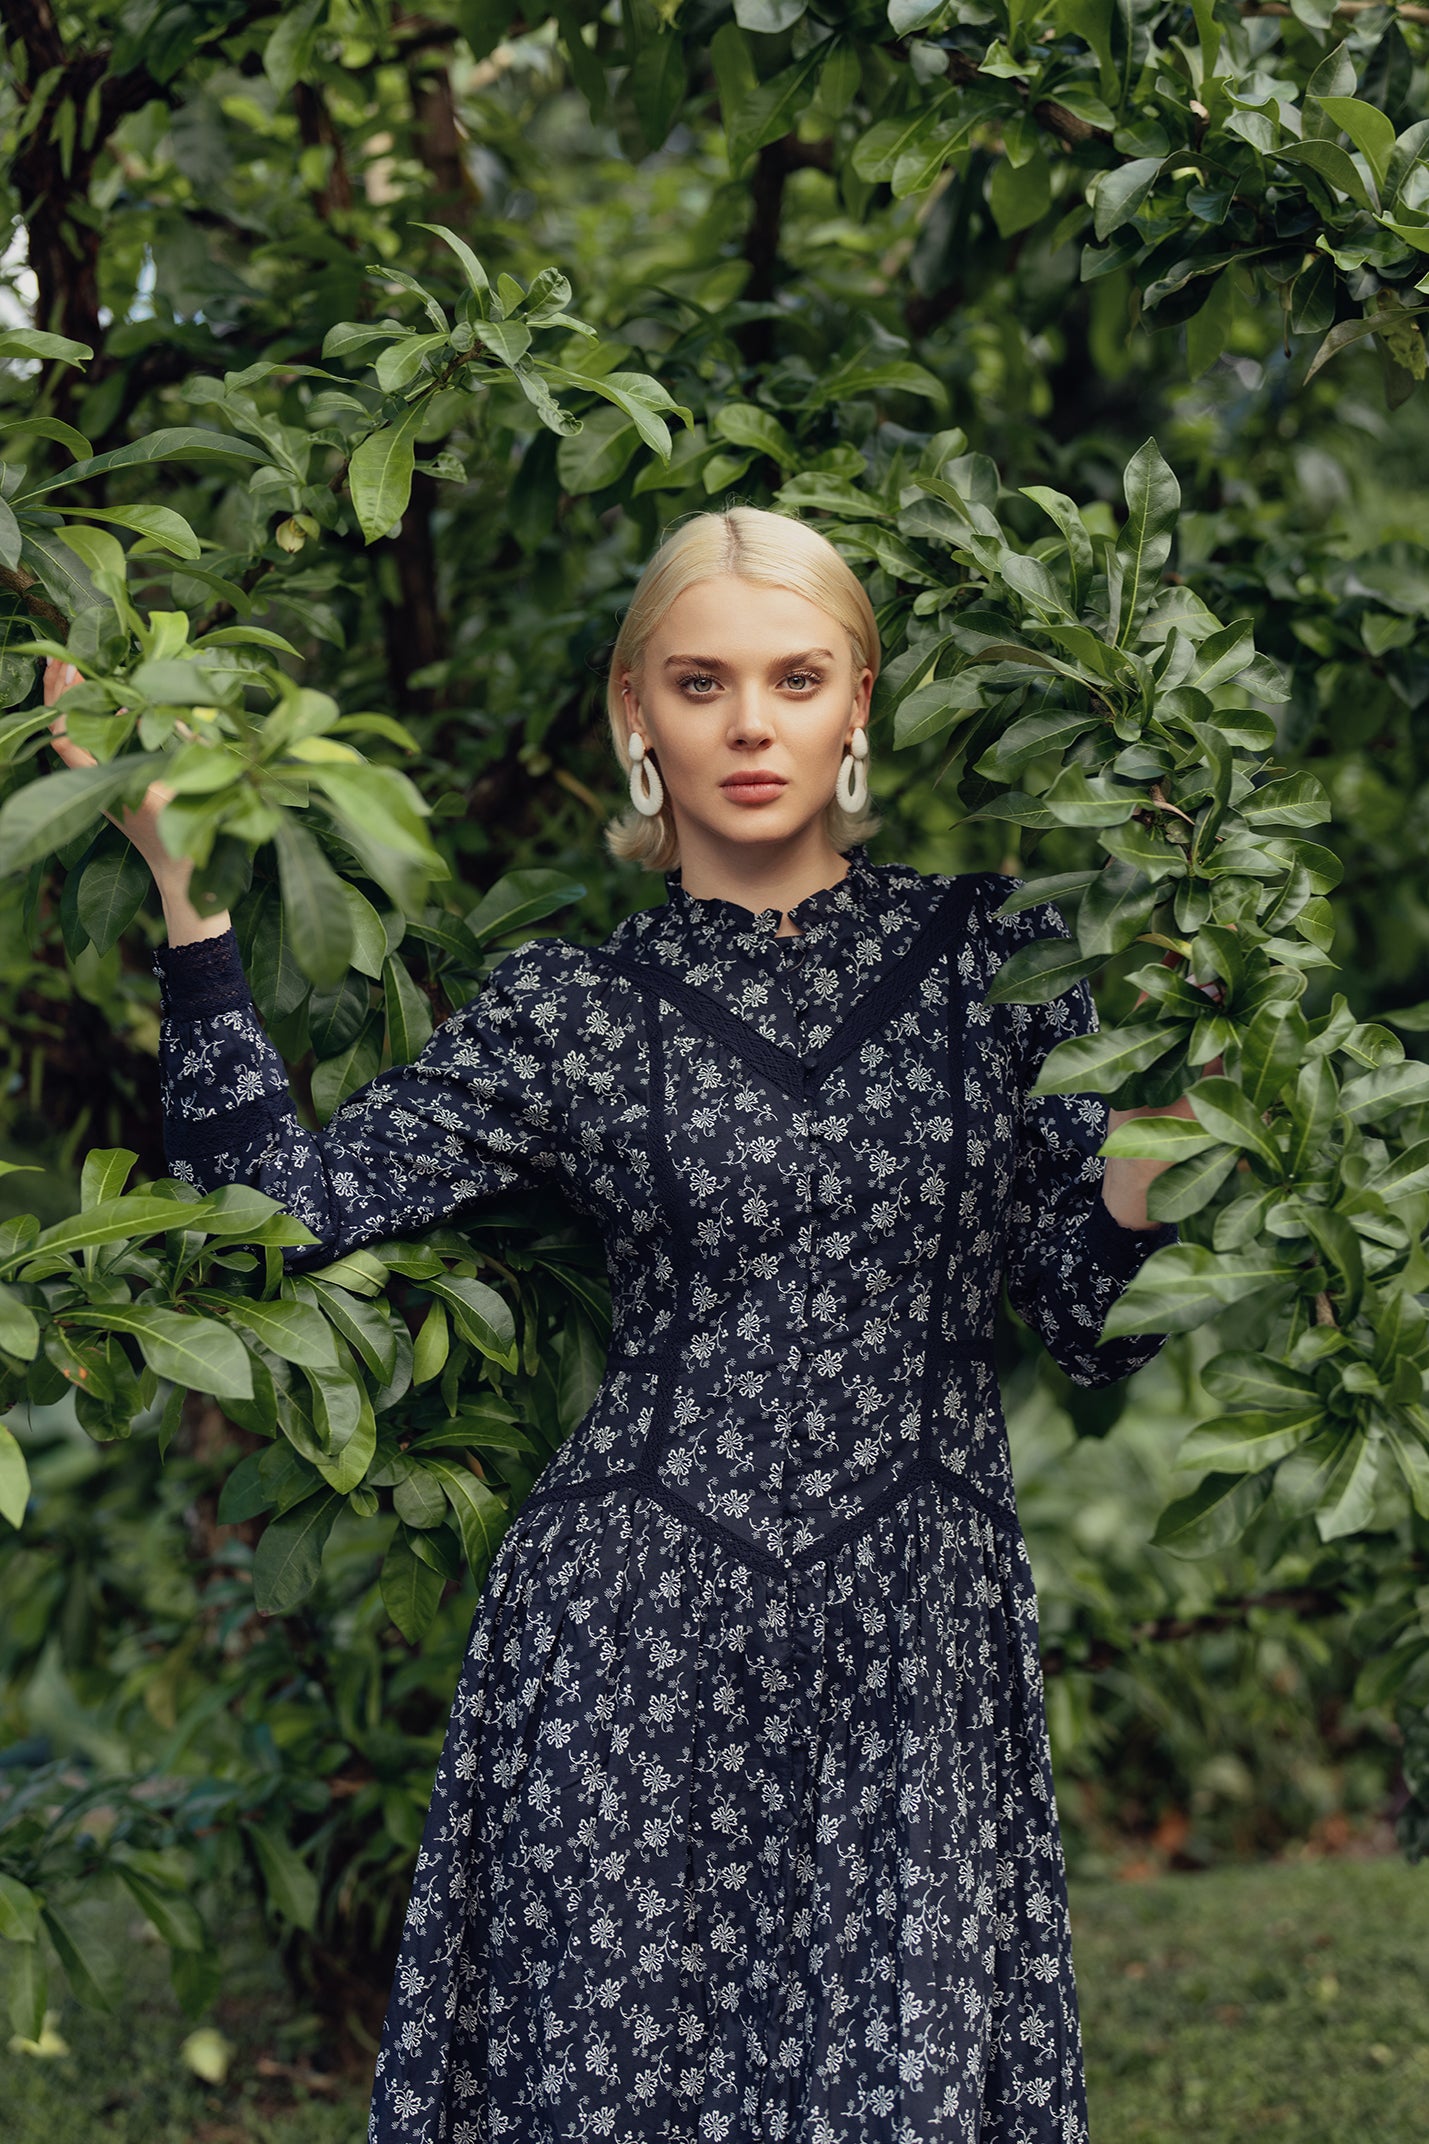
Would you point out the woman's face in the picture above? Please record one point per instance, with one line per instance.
(738, 680)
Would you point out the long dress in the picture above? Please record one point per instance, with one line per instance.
(744, 1826)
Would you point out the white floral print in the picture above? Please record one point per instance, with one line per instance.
(744, 1827)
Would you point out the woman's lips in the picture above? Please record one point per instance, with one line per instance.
(745, 789)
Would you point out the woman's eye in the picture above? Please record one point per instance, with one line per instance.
(687, 682)
(802, 680)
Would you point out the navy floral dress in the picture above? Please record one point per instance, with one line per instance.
(744, 1829)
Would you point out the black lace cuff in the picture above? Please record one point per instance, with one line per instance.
(203, 977)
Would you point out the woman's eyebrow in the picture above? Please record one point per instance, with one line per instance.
(716, 662)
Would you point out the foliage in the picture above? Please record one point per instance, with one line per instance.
(897, 269)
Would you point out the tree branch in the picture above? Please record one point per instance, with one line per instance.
(33, 23)
(1302, 1601)
(22, 583)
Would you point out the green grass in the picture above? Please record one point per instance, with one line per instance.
(1287, 2002)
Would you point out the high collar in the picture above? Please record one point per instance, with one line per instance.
(715, 919)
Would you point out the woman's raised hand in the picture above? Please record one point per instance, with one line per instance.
(141, 824)
(171, 873)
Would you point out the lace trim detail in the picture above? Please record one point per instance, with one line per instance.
(201, 978)
(783, 1068)
(233, 1130)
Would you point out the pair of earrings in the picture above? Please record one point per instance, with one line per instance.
(647, 791)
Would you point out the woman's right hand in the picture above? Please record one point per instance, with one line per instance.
(141, 824)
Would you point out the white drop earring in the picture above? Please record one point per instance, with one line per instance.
(851, 787)
(647, 791)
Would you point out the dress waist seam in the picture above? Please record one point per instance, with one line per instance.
(643, 1481)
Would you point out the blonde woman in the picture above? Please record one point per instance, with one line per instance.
(744, 1826)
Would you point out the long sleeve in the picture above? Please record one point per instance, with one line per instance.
(1067, 1258)
(476, 1112)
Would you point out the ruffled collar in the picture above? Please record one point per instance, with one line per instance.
(712, 917)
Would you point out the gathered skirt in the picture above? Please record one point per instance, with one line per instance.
(717, 1856)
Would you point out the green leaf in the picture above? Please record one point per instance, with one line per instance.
(1412, 1458)
(1190, 1185)
(159, 523)
(29, 1990)
(1216, 1513)
(411, 1590)
(1036, 973)
(1244, 1443)
(1295, 800)
(1099, 1063)
(401, 361)
(518, 899)
(345, 1425)
(171, 443)
(1019, 195)
(111, 893)
(1241, 1379)
(1407, 1174)
(19, 1335)
(1209, 328)
(1168, 1139)
(1065, 513)
(381, 802)
(409, 1016)
(1121, 192)
(198, 1353)
(288, 1559)
(1335, 1236)
(19, 1911)
(1367, 127)
(169, 1912)
(379, 475)
(1330, 163)
(38, 342)
(1349, 1501)
(940, 705)
(290, 1884)
(471, 267)
(89, 1968)
(14, 1472)
(431, 1346)
(314, 905)
(598, 454)
(365, 1326)
(1184, 1284)
(48, 813)
(1225, 1112)
(480, 1315)
(481, 1516)
(296, 1332)
(1153, 499)
(769, 110)
(419, 1499)
(1387, 1088)
(351, 1068)
(744, 424)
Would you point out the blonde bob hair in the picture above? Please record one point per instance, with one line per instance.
(772, 551)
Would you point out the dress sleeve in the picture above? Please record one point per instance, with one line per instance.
(476, 1112)
(1066, 1256)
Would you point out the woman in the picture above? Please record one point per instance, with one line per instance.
(744, 1826)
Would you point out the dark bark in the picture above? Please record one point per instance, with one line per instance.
(315, 124)
(415, 628)
(1306, 1602)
